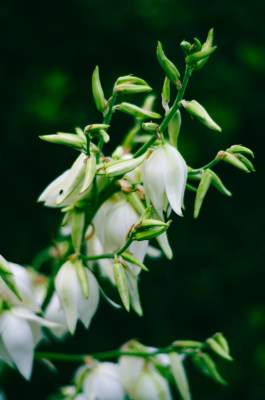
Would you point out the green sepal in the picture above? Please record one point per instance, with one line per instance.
(91, 166)
(218, 349)
(168, 67)
(82, 277)
(174, 129)
(135, 111)
(201, 191)
(216, 181)
(179, 375)
(207, 366)
(166, 93)
(77, 228)
(121, 284)
(97, 90)
(130, 258)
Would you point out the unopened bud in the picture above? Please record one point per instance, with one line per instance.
(121, 167)
(206, 46)
(237, 148)
(232, 159)
(174, 128)
(105, 135)
(128, 88)
(91, 165)
(201, 191)
(121, 284)
(131, 79)
(193, 344)
(68, 139)
(194, 108)
(82, 277)
(216, 181)
(199, 56)
(135, 111)
(207, 366)
(186, 47)
(150, 231)
(166, 93)
(130, 258)
(171, 71)
(150, 127)
(197, 45)
(95, 127)
(217, 348)
(98, 91)
(246, 162)
(222, 341)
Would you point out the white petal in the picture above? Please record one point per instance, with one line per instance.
(67, 286)
(54, 312)
(88, 307)
(104, 383)
(131, 369)
(4, 354)
(152, 386)
(18, 339)
(29, 315)
(50, 194)
(175, 176)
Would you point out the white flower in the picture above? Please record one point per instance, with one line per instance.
(112, 224)
(19, 333)
(72, 299)
(103, 382)
(152, 386)
(55, 313)
(164, 176)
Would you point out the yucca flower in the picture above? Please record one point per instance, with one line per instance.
(164, 176)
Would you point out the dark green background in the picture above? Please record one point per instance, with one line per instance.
(216, 280)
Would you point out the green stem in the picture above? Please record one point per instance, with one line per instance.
(107, 119)
(169, 116)
(109, 255)
(207, 166)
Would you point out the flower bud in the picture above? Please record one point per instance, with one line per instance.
(130, 258)
(127, 88)
(187, 344)
(194, 108)
(150, 127)
(151, 386)
(216, 181)
(197, 45)
(98, 91)
(201, 191)
(207, 366)
(246, 162)
(150, 231)
(105, 136)
(131, 79)
(166, 94)
(174, 128)
(206, 46)
(121, 167)
(232, 159)
(199, 56)
(90, 172)
(218, 349)
(171, 71)
(222, 341)
(237, 148)
(67, 139)
(95, 127)
(179, 374)
(135, 111)
(186, 47)
(121, 284)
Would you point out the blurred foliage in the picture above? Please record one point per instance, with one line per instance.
(216, 280)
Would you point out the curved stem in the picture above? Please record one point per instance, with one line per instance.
(207, 166)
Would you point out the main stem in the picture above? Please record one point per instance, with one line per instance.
(169, 116)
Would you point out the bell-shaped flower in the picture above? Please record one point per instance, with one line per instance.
(152, 386)
(103, 382)
(112, 224)
(20, 331)
(71, 295)
(164, 176)
(54, 312)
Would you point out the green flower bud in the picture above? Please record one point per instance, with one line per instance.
(135, 111)
(105, 135)
(127, 88)
(193, 344)
(216, 181)
(150, 231)
(246, 162)
(95, 127)
(218, 349)
(77, 227)
(232, 159)
(121, 167)
(186, 47)
(91, 165)
(150, 127)
(201, 191)
(197, 45)
(82, 277)
(198, 56)
(98, 91)
(130, 258)
(179, 375)
(174, 128)
(171, 71)
(222, 341)
(131, 79)
(68, 139)
(194, 108)
(237, 148)
(166, 93)
(206, 46)
(150, 223)
(121, 284)
(207, 366)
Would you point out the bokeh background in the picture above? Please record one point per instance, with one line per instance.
(216, 280)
